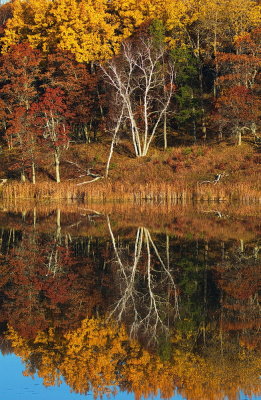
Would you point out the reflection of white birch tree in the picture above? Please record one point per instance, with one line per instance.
(148, 293)
(54, 259)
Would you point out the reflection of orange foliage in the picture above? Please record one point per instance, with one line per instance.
(99, 355)
(37, 294)
(240, 282)
(241, 325)
(250, 343)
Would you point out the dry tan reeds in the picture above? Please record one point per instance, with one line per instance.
(104, 191)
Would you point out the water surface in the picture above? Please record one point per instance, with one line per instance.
(145, 301)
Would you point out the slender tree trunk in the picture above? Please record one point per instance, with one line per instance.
(253, 129)
(194, 119)
(165, 114)
(23, 176)
(215, 57)
(35, 216)
(86, 134)
(239, 137)
(165, 131)
(204, 127)
(33, 173)
(194, 132)
(57, 165)
(205, 290)
(58, 225)
(167, 250)
(9, 141)
(115, 133)
(203, 119)
(109, 158)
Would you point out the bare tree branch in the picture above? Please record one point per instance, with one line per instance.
(139, 80)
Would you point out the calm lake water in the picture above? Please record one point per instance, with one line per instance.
(146, 301)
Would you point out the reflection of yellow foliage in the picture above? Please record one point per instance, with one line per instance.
(99, 355)
(23, 349)
(93, 351)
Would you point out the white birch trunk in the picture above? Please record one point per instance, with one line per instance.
(57, 165)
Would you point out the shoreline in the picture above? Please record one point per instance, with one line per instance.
(198, 173)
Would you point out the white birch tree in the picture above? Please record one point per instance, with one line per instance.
(143, 79)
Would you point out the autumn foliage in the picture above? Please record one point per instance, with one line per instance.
(64, 65)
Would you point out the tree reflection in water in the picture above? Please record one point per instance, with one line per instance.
(133, 306)
(148, 295)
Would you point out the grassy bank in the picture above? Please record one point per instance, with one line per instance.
(177, 174)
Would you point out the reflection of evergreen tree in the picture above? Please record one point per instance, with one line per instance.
(191, 286)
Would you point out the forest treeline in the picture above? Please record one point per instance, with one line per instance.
(84, 70)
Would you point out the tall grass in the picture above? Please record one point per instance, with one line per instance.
(104, 191)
